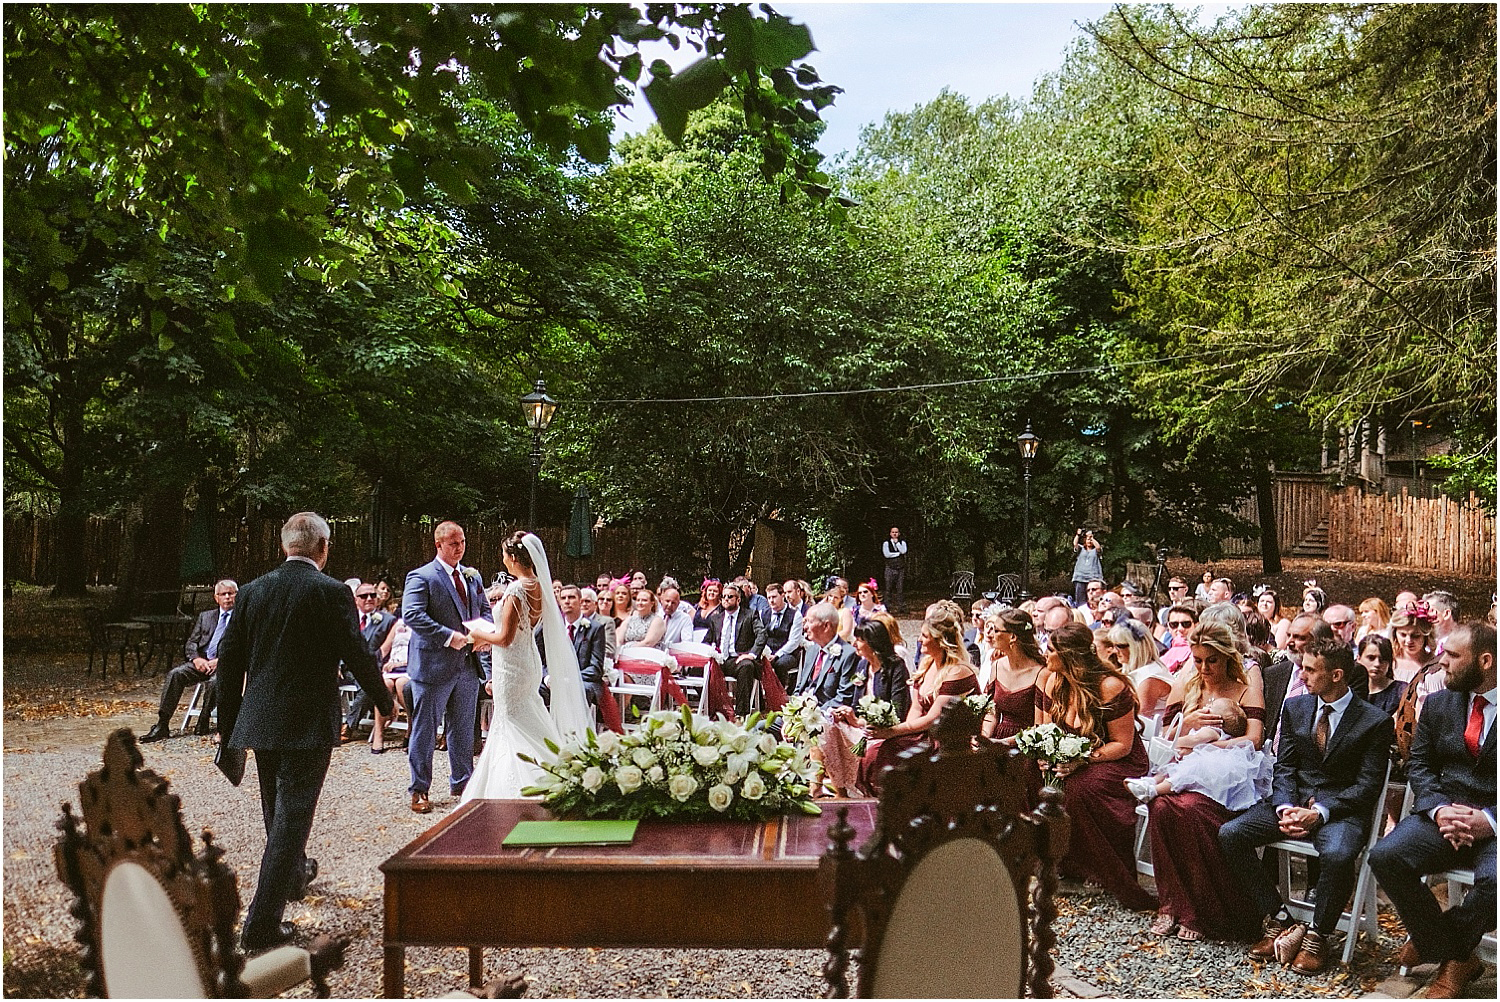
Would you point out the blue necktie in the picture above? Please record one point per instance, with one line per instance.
(213, 643)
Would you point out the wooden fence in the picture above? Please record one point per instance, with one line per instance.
(1436, 533)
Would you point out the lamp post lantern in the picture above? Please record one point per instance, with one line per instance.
(1027, 443)
(538, 409)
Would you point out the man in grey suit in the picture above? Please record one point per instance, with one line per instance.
(279, 696)
(202, 650)
(444, 668)
(828, 664)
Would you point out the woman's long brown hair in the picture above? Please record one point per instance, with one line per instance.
(1080, 682)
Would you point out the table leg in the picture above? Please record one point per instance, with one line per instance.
(393, 983)
(476, 966)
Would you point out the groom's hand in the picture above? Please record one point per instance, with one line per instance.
(457, 641)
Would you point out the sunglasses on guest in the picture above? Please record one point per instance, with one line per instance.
(1180, 624)
(365, 594)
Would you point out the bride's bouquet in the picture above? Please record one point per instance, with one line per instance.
(802, 720)
(677, 765)
(1052, 746)
(875, 712)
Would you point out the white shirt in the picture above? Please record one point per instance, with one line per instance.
(1339, 706)
(679, 625)
(726, 637)
(893, 548)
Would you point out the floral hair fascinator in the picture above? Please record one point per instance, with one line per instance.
(1259, 590)
(619, 583)
(1420, 610)
(870, 584)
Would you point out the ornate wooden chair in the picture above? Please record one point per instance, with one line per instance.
(952, 896)
(157, 920)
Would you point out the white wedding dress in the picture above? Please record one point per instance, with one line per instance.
(521, 722)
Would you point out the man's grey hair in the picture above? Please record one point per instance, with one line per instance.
(230, 582)
(824, 612)
(1443, 599)
(589, 594)
(304, 534)
(667, 581)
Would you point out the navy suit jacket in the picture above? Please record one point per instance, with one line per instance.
(1440, 770)
(429, 606)
(892, 684)
(290, 629)
(836, 685)
(1349, 777)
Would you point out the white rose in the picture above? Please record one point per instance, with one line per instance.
(593, 778)
(670, 729)
(609, 742)
(753, 788)
(741, 741)
(719, 797)
(766, 744)
(681, 787)
(655, 774)
(705, 754)
(628, 778)
(643, 757)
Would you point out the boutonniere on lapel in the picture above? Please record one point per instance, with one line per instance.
(376, 617)
(833, 649)
(470, 574)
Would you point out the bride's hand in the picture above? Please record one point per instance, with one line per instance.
(480, 646)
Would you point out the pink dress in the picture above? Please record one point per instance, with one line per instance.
(882, 753)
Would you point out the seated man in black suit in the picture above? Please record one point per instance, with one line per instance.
(783, 634)
(1330, 772)
(740, 636)
(202, 652)
(374, 626)
(1452, 824)
(587, 637)
(828, 664)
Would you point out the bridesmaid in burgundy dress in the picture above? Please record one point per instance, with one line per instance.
(1199, 895)
(1012, 635)
(1086, 696)
(943, 674)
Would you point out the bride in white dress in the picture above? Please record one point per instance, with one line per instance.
(522, 723)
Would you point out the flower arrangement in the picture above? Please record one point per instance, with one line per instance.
(1052, 746)
(980, 703)
(678, 765)
(802, 720)
(875, 713)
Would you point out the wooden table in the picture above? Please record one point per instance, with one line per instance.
(708, 884)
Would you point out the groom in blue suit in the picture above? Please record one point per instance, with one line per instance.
(443, 667)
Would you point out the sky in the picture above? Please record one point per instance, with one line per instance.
(895, 56)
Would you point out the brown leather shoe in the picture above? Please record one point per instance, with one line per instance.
(420, 804)
(1265, 947)
(1453, 978)
(1408, 958)
(1310, 958)
(344, 736)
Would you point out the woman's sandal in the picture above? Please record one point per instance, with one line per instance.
(1163, 925)
(1188, 935)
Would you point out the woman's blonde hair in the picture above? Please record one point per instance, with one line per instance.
(945, 623)
(1080, 681)
(1142, 645)
(1382, 612)
(1408, 621)
(1216, 637)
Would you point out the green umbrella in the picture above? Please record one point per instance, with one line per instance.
(580, 526)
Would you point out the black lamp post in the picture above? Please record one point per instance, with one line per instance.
(1027, 442)
(538, 409)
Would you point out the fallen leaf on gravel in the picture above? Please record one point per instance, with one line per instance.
(354, 903)
(20, 854)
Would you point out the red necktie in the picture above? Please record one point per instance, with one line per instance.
(1475, 728)
(364, 622)
(818, 666)
(463, 599)
(570, 632)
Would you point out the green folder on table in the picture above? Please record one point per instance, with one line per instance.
(548, 833)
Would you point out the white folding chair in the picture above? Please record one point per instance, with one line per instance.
(1143, 863)
(625, 685)
(195, 705)
(690, 655)
(1362, 912)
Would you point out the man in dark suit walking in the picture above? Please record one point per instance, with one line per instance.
(740, 636)
(202, 652)
(444, 668)
(1330, 771)
(1452, 824)
(282, 648)
(828, 664)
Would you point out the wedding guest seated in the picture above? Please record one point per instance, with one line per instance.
(1330, 771)
(1375, 653)
(708, 604)
(867, 601)
(393, 661)
(588, 603)
(1452, 823)
(880, 674)
(1374, 617)
(202, 653)
(752, 598)
(644, 626)
(374, 625)
(1343, 620)
(1198, 894)
(677, 616)
(1268, 603)
(621, 601)
(828, 666)
(1180, 622)
(587, 637)
(783, 634)
(1085, 696)
(1135, 652)
(740, 637)
(1018, 666)
(943, 674)
(637, 580)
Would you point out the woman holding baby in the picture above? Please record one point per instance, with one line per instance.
(1199, 896)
